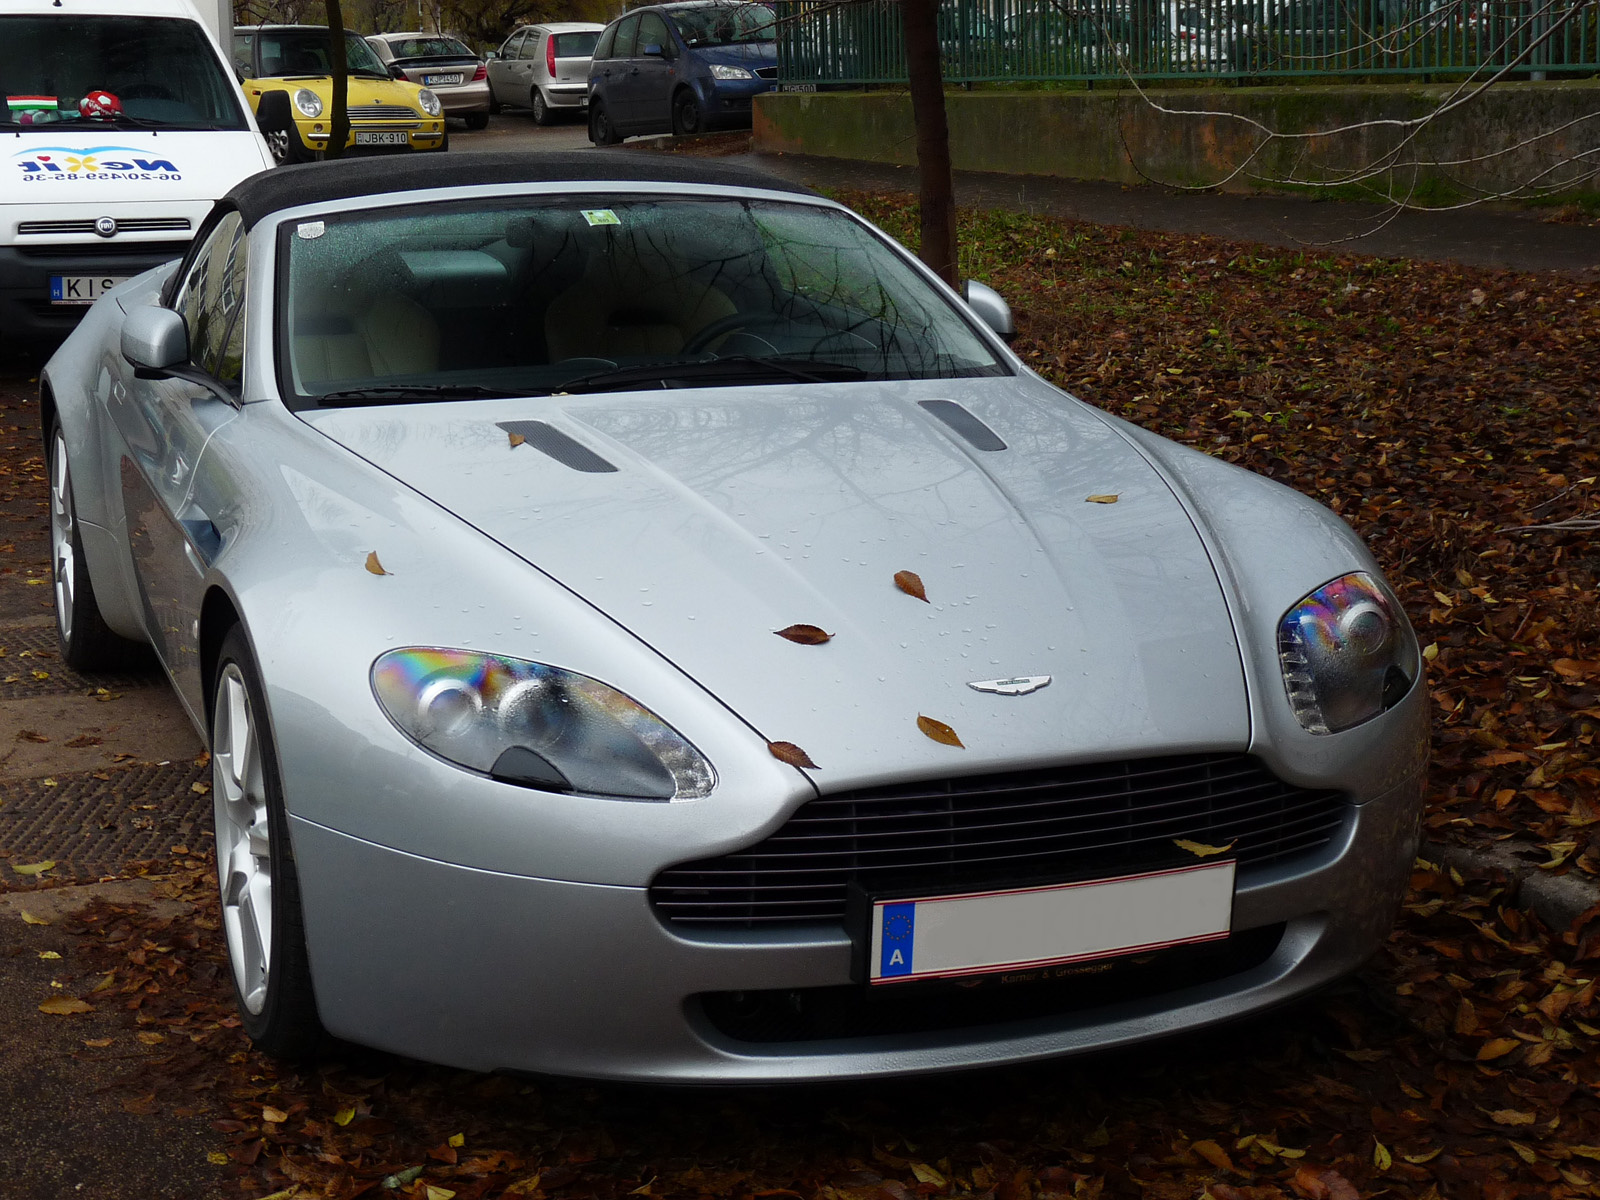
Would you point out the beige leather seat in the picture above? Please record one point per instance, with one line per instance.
(626, 308)
(384, 337)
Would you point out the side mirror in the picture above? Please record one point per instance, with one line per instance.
(396, 73)
(155, 339)
(490, 55)
(990, 308)
(651, 50)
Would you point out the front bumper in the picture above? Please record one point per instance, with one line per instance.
(424, 134)
(731, 102)
(26, 311)
(494, 971)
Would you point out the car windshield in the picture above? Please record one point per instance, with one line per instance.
(575, 45)
(119, 72)
(604, 293)
(725, 24)
(432, 47)
(304, 51)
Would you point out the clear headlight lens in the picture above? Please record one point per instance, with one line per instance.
(1347, 653)
(430, 102)
(719, 71)
(539, 726)
(308, 102)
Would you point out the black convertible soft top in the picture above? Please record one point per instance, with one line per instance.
(310, 183)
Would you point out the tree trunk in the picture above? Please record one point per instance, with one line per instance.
(920, 26)
(339, 118)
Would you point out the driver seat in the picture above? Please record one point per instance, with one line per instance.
(625, 308)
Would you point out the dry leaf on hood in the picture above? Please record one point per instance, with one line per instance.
(939, 731)
(516, 439)
(1200, 849)
(790, 753)
(1103, 498)
(910, 583)
(374, 566)
(806, 635)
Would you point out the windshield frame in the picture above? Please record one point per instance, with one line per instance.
(228, 101)
(439, 202)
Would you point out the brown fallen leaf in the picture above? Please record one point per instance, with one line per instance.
(30, 735)
(1213, 1154)
(277, 1115)
(61, 1006)
(1102, 498)
(910, 583)
(806, 635)
(374, 566)
(1510, 1116)
(199, 788)
(38, 868)
(1315, 1183)
(1200, 849)
(29, 919)
(82, 741)
(97, 1043)
(516, 439)
(1497, 1048)
(939, 731)
(790, 753)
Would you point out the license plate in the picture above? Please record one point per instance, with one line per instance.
(943, 937)
(81, 289)
(373, 137)
(440, 80)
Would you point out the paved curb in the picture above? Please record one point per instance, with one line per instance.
(1559, 900)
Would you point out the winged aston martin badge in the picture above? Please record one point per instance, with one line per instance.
(1019, 685)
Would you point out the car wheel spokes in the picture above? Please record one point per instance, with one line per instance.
(61, 536)
(244, 841)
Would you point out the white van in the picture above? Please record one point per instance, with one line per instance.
(120, 122)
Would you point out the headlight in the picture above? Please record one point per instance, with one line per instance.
(430, 102)
(308, 102)
(718, 71)
(535, 725)
(1347, 653)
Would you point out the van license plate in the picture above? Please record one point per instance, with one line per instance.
(82, 289)
(440, 80)
(372, 137)
(986, 933)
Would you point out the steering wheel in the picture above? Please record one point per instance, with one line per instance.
(702, 338)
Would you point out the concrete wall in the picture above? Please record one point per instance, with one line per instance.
(1224, 136)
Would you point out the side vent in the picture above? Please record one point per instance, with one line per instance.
(964, 423)
(567, 451)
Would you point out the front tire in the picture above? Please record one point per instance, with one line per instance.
(87, 642)
(541, 108)
(687, 119)
(601, 131)
(261, 914)
(477, 120)
(278, 127)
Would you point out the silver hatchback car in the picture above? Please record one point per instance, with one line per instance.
(545, 68)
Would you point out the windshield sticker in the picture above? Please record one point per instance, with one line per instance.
(601, 216)
(67, 163)
(309, 231)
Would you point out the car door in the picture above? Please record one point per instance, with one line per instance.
(654, 76)
(613, 79)
(163, 426)
(502, 71)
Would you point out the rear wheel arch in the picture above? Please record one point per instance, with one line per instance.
(218, 615)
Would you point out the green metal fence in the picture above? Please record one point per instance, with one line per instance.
(852, 42)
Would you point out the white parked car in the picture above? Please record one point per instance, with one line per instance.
(545, 68)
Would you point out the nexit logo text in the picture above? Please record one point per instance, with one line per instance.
(65, 163)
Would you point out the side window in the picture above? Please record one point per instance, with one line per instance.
(212, 300)
(653, 32)
(513, 46)
(627, 38)
(607, 40)
(242, 43)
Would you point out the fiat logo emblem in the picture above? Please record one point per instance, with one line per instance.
(105, 227)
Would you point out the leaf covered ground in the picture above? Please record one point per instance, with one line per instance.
(1437, 409)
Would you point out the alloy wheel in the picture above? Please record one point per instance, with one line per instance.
(277, 143)
(244, 843)
(63, 560)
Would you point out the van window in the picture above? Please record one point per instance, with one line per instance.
(627, 33)
(157, 71)
(653, 32)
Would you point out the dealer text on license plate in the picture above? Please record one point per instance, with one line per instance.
(375, 137)
(440, 80)
(989, 932)
(81, 289)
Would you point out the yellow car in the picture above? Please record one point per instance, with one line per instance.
(288, 84)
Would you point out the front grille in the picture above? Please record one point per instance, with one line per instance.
(850, 1010)
(1077, 822)
(124, 225)
(766, 72)
(381, 112)
(110, 248)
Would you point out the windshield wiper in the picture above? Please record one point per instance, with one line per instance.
(402, 392)
(668, 374)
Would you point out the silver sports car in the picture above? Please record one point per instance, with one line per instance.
(648, 627)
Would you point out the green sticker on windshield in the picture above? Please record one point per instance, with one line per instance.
(601, 216)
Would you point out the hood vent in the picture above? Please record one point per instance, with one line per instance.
(565, 450)
(964, 423)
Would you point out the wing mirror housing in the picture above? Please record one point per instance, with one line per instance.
(155, 339)
(990, 308)
(651, 50)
